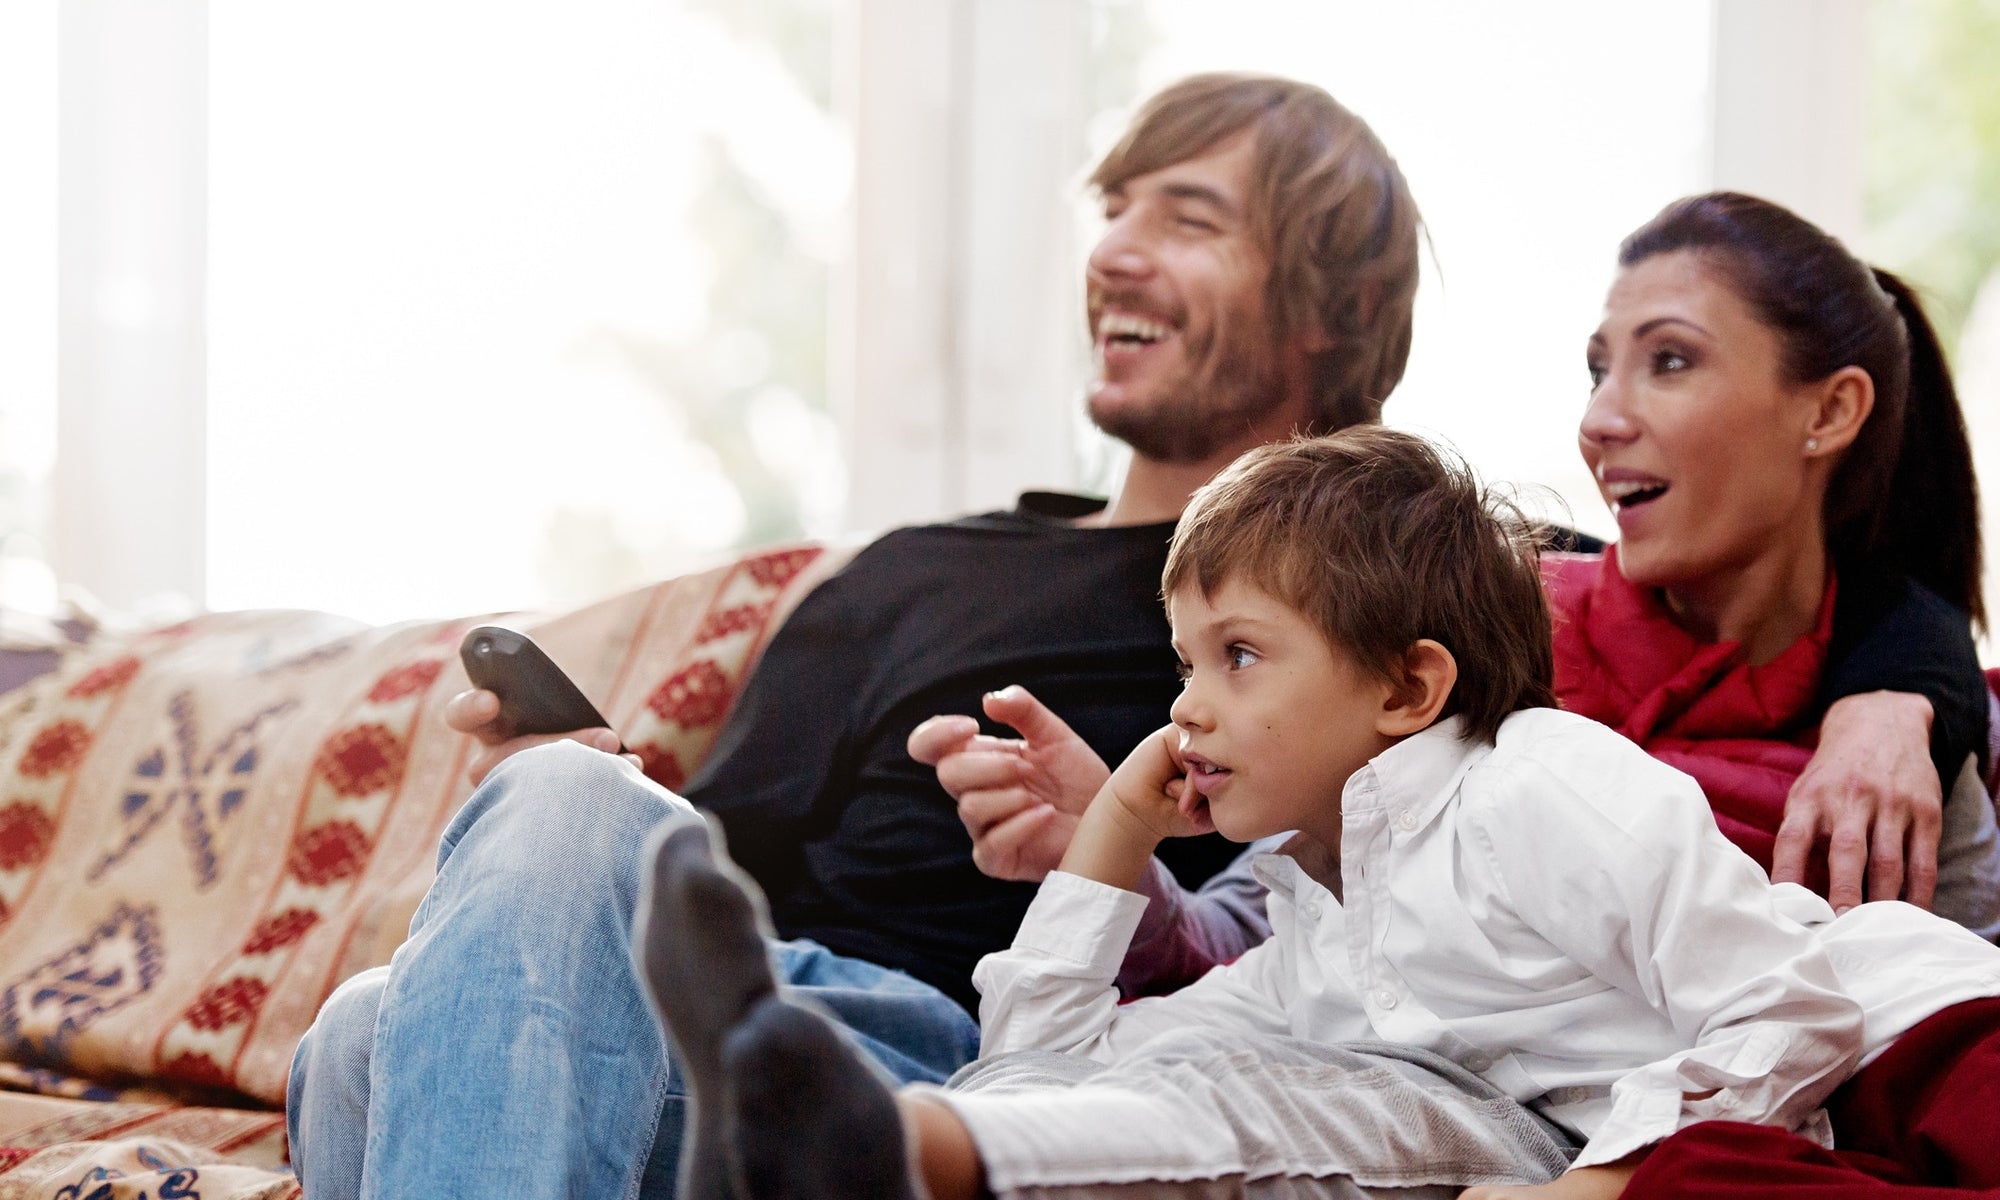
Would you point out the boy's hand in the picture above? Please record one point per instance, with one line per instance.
(1139, 807)
(1151, 786)
(477, 712)
(1019, 798)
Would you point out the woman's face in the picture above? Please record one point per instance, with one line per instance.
(1696, 437)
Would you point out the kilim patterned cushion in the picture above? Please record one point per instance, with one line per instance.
(204, 829)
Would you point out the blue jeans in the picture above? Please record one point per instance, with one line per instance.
(507, 1048)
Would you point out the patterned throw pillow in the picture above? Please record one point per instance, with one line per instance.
(204, 829)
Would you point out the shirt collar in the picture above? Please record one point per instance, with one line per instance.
(1416, 775)
(1058, 506)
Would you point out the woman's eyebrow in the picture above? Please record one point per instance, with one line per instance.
(1656, 322)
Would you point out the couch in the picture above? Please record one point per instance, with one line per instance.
(205, 828)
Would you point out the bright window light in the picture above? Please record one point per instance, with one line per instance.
(479, 330)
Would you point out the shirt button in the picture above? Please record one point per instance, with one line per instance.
(1385, 999)
(1477, 1063)
(1312, 910)
(1406, 820)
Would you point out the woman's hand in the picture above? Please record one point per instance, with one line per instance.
(1019, 798)
(1872, 791)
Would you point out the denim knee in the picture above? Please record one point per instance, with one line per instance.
(555, 831)
(326, 1098)
(562, 810)
(335, 1049)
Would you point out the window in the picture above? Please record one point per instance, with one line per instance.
(512, 308)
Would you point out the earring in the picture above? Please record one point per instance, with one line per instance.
(1812, 445)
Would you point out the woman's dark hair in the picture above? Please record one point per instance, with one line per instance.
(1903, 497)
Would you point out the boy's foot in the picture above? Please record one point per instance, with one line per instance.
(698, 936)
(809, 1119)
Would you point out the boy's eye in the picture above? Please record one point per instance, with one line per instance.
(1597, 374)
(1183, 670)
(1240, 657)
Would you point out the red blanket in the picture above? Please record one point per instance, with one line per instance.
(1744, 733)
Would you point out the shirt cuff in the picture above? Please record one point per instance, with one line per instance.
(1636, 1120)
(1081, 921)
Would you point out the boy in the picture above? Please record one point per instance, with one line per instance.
(1488, 903)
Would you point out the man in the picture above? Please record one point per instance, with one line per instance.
(1254, 279)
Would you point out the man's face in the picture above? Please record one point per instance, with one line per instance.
(1189, 364)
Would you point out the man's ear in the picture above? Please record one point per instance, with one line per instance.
(1844, 400)
(1428, 672)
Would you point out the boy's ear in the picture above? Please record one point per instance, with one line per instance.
(1428, 672)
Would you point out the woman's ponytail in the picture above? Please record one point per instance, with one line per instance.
(1930, 525)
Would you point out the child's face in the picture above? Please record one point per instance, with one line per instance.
(1273, 718)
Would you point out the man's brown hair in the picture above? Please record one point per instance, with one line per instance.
(1380, 539)
(1329, 206)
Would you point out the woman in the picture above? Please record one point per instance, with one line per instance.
(1774, 426)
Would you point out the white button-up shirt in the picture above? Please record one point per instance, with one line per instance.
(1556, 913)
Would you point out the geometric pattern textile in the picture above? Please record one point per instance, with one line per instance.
(204, 829)
(69, 1149)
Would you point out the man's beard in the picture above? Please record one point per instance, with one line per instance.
(1205, 412)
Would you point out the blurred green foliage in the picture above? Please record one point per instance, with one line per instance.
(766, 329)
(764, 335)
(1932, 150)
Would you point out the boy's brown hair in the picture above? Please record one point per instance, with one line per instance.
(1330, 208)
(1380, 539)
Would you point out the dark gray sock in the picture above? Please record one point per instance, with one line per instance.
(699, 939)
(809, 1118)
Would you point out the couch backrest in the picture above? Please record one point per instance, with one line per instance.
(204, 829)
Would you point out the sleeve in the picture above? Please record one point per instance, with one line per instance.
(1052, 990)
(1183, 933)
(1899, 636)
(1654, 901)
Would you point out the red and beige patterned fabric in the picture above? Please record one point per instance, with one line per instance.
(204, 829)
(128, 1149)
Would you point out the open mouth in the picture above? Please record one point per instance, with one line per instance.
(1123, 332)
(1203, 774)
(1632, 493)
